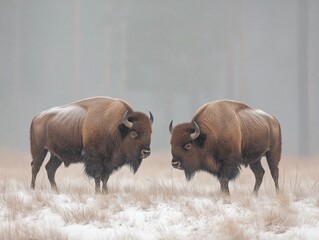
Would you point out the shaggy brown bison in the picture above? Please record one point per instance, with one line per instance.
(101, 132)
(223, 135)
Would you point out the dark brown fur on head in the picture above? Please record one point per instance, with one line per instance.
(187, 151)
(138, 135)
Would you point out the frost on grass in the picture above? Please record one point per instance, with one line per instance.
(157, 203)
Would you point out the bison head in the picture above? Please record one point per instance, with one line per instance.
(187, 143)
(136, 137)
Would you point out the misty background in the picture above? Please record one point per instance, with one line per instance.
(169, 57)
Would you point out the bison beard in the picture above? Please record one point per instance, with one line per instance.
(189, 173)
(135, 165)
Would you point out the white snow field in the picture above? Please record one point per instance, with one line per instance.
(157, 203)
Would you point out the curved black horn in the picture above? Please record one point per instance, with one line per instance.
(151, 117)
(195, 134)
(171, 127)
(126, 122)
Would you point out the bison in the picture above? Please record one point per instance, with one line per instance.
(103, 133)
(222, 136)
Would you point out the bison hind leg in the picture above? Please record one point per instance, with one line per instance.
(51, 168)
(259, 172)
(38, 157)
(273, 159)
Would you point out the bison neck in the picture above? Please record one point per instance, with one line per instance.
(120, 159)
(114, 162)
(211, 165)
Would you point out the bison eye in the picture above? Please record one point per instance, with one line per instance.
(133, 134)
(188, 146)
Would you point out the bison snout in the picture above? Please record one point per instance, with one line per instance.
(145, 153)
(177, 164)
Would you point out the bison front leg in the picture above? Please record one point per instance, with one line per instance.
(224, 185)
(93, 168)
(104, 187)
(228, 172)
(97, 185)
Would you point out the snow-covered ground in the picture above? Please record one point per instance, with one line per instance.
(158, 203)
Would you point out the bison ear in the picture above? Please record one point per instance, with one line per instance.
(200, 141)
(123, 130)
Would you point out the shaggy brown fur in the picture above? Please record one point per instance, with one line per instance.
(92, 131)
(231, 134)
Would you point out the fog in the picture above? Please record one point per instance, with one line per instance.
(169, 57)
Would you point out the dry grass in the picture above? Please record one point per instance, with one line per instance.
(23, 230)
(156, 203)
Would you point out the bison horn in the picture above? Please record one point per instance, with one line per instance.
(195, 134)
(126, 122)
(151, 117)
(171, 127)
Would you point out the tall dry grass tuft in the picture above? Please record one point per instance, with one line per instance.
(284, 200)
(17, 204)
(278, 220)
(23, 230)
(232, 230)
(80, 214)
(164, 233)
